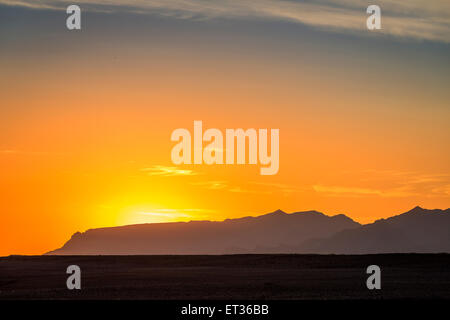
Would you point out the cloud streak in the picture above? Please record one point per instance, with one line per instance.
(171, 213)
(165, 171)
(415, 19)
(400, 184)
(26, 153)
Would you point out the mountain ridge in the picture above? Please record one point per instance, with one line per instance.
(207, 237)
(417, 230)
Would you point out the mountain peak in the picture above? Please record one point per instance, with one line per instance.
(278, 212)
(417, 209)
(310, 212)
(342, 216)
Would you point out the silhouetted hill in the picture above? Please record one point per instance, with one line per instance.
(273, 232)
(418, 230)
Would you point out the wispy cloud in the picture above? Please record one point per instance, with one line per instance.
(443, 190)
(397, 184)
(158, 170)
(360, 192)
(214, 185)
(240, 190)
(418, 19)
(168, 215)
(27, 153)
(285, 188)
(227, 186)
(345, 190)
(8, 151)
(186, 213)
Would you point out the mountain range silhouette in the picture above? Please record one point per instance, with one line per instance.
(418, 230)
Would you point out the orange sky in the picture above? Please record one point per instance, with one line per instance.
(85, 131)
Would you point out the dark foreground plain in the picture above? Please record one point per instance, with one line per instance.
(234, 277)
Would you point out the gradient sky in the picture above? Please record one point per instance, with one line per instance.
(86, 116)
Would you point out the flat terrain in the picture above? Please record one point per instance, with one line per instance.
(418, 276)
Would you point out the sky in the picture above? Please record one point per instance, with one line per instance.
(86, 115)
